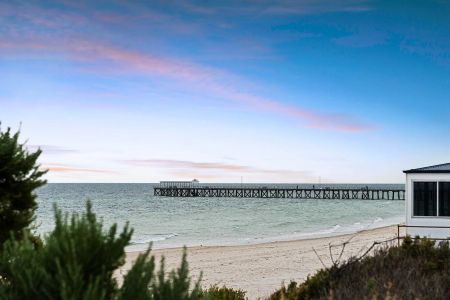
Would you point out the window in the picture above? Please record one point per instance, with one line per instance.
(425, 199)
(431, 198)
(444, 198)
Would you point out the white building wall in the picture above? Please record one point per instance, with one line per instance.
(425, 221)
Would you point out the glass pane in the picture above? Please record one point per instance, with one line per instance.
(444, 198)
(425, 198)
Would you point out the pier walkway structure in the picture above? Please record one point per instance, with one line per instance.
(171, 189)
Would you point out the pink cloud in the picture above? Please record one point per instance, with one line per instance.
(110, 57)
(311, 119)
(213, 81)
(202, 168)
(68, 17)
(61, 168)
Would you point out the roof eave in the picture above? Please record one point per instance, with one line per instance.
(426, 172)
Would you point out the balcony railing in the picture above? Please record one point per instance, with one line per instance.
(421, 226)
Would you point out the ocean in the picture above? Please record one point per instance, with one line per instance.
(173, 222)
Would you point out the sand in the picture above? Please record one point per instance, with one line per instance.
(260, 269)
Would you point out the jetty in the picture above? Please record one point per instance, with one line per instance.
(194, 189)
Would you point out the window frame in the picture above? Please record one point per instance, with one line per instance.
(437, 198)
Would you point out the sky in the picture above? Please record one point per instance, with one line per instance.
(349, 91)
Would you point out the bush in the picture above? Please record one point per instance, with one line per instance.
(418, 269)
(223, 293)
(77, 261)
(19, 177)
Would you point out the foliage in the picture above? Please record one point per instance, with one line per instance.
(418, 269)
(19, 177)
(78, 260)
(223, 293)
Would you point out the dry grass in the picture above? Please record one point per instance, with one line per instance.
(418, 269)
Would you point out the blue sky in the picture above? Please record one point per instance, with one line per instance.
(273, 91)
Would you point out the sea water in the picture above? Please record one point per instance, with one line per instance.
(173, 222)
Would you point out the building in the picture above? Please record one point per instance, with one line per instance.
(428, 201)
(179, 184)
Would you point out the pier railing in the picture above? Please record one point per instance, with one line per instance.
(280, 192)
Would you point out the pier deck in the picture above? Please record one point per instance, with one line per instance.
(263, 192)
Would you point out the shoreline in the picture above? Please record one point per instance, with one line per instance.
(261, 268)
(312, 237)
(320, 233)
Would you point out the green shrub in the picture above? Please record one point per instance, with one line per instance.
(19, 177)
(223, 293)
(418, 269)
(77, 261)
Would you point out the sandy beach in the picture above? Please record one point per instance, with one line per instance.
(262, 268)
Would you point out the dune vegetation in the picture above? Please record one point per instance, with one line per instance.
(417, 269)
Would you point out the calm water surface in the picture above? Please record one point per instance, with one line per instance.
(172, 222)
